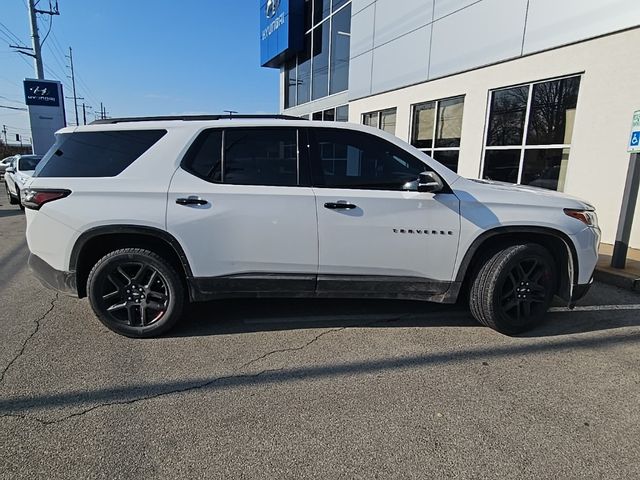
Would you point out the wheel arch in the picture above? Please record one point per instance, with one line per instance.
(97, 242)
(558, 243)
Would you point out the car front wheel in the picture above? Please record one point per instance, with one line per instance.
(135, 292)
(12, 199)
(514, 288)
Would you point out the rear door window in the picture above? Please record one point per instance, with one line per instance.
(248, 156)
(96, 154)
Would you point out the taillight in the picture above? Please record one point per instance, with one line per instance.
(34, 198)
(588, 217)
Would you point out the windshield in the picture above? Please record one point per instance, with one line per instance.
(28, 163)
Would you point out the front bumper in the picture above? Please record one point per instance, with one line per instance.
(64, 282)
(579, 291)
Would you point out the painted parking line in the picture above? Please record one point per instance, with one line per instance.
(595, 308)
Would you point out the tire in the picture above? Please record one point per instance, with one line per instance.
(18, 201)
(12, 199)
(136, 293)
(514, 288)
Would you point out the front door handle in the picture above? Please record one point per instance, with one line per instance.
(192, 200)
(339, 205)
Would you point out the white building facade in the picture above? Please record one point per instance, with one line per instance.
(538, 92)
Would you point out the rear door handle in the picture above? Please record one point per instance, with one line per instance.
(339, 205)
(192, 200)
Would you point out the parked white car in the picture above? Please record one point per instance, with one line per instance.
(4, 163)
(17, 174)
(140, 215)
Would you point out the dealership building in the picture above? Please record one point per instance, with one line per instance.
(537, 92)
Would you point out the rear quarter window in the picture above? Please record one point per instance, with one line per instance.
(96, 154)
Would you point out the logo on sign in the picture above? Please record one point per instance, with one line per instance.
(272, 7)
(41, 93)
(635, 139)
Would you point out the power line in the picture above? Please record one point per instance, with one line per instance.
(11, 34)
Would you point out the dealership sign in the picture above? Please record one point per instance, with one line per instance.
(41, 92)
(634, 139)
(281, 30)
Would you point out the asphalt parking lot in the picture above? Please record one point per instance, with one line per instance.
(313, 389)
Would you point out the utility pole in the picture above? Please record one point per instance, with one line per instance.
(84, 114)
(73, 84)
(4, 130)
(103, 111)
(36, 49)
(35, 39)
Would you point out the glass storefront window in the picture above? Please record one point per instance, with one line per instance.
(437, 129)
(342, 113)
(304, 73)
(502, 165)
(508, 110)
(424, 117)
(537, 121)
(553, 107)
(338, 114)
(340, 40)
(545, 168)
(388, 120)
(382, 119)
(291, 84)
(322, 68)
(371, 119)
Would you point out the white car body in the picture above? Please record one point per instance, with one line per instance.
(16, 180)
(4, 163)
(257, 232)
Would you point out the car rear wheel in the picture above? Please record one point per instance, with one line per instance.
(514, 288)
(135, 292)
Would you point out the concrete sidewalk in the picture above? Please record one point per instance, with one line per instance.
(628, 277)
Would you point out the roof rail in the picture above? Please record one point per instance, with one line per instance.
(187, 118)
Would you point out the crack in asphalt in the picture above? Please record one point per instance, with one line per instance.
(292, 349)
(198, 386)
(38, 323)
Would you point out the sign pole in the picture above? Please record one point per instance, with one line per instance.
(629, 197)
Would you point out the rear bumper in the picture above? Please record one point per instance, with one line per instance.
(64, 282)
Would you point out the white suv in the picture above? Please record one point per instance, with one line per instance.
(143, 214)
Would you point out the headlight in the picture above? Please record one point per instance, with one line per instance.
(588, 217)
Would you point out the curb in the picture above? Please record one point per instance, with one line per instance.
(617, 279)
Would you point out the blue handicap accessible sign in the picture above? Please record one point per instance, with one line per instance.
(634, 143)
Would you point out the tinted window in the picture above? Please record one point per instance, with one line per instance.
(351, 159)
(506, 120)
(553, 107)
(320, 84)
(28, 163)
(449, 158)
(204, 157)
(96, 154)
(340, 40)
(502, 165)
(260, 156)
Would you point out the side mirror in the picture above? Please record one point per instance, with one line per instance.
(430, 182)
(10, 170)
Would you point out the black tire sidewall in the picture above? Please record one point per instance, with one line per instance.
(96, 280)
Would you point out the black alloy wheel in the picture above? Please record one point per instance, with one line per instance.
(525, 290)
(514, 288)
(135, 292)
